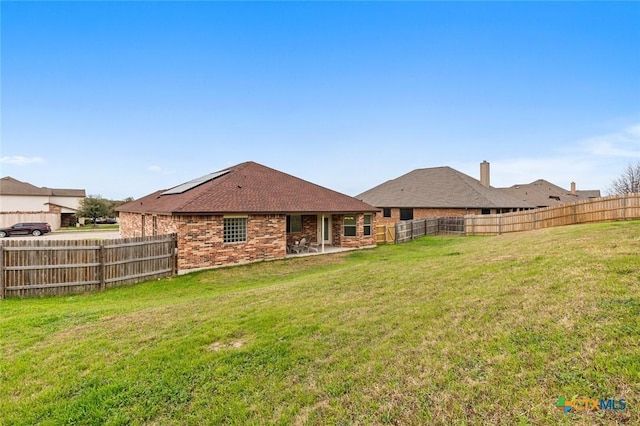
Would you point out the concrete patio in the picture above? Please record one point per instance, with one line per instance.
(328, 249)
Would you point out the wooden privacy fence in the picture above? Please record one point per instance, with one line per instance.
(48, 267)
(617, 207)
(410, 229)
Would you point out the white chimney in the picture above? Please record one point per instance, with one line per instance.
(484, 173)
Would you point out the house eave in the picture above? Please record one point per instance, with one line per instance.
(459, 207)
(288, 212)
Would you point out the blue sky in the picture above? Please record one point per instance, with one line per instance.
(124, 98)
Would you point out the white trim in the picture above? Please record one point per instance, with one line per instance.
(322, 233)
(321, 228)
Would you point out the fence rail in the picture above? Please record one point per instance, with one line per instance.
(41, 268)
(617, 207)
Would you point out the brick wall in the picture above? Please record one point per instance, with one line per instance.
(395, 217)
(130, 225)
(201, 241)
(360, 240)
(422, 213)
(201, 238)
(309, 229)
(138, 225)
(55, 209)
(427, 213)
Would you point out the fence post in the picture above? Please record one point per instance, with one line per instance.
(103, 283)
(499, 224)
(1, 271)
(624, 206)
(395, 237)
(533, 216)
(174, 254)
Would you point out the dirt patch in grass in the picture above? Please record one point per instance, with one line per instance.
(218, 346)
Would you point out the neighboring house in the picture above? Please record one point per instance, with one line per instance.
(23, 202)
(439, 192)
(542, 193)
(248, 213)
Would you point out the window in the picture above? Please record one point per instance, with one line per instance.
(406, 214)
(294, 223)
(349, 226)
(367, 224)
(386, 212)
(486, 211)
(235, 229)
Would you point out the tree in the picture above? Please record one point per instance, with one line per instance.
(117, 203)
(628, 182)
(93, 207)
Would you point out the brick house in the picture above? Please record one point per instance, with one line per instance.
(247, 213)
(24, 202)
(543, 193)
(439, 192)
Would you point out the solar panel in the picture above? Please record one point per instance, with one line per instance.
(193, 183)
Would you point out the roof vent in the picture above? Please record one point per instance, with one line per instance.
(180, 189)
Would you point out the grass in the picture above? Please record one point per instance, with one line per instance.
(442, 330)
(90, 228)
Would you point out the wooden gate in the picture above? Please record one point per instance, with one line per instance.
(385, 234)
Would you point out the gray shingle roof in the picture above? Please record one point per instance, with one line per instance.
(543, 193)
(11, 186)
(248, 188)
(438, 187)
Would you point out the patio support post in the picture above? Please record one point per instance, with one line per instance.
(322, 232)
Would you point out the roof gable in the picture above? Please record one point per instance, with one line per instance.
(11, 186)
(438, 187)
(246, 188)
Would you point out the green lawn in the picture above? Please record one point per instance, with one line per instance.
(442, 330)
(91, 228)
